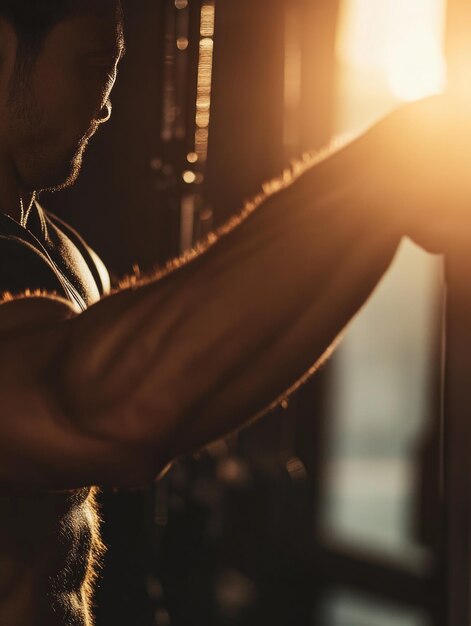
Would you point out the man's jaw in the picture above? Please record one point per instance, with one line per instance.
(74, 162)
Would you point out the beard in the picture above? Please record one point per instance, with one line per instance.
(42, 164)
(66, 169)
(45, 157)
(41, 169)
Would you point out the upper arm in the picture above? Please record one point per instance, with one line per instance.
(41, 445)
(30, 311)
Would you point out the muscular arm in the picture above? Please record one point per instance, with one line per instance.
(112, 395)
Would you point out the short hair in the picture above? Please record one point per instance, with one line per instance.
(33, 19)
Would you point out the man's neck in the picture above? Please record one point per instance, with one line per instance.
(14, 200)
(20, 209)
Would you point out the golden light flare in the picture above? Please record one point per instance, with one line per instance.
(189, 177)
(205, 78)
(182, 43)
(192, 212)
(208, 15)
(416, 66)
(402, 40)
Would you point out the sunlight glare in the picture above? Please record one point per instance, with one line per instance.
(415, 64)
(401, 39)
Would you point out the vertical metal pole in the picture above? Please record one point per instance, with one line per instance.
(457, 398)
(457, 437)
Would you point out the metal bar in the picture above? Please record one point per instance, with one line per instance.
(457, 444)
(457, 398)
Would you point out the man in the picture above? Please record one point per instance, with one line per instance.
(109, 390)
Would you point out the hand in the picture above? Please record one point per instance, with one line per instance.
(423, 171)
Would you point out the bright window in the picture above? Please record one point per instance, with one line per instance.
(388, 50)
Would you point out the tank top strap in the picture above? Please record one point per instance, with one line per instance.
(84, 249)
(11, 230)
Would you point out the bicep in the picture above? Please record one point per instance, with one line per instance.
(40, 444)
(20, 312)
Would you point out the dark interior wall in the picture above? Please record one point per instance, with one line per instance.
(319, 76)
(246, 138)
(246, 145)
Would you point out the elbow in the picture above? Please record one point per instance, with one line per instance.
(137, 448)
(118, 462)
(138, 434)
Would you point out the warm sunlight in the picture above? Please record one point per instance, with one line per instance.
(401, 40)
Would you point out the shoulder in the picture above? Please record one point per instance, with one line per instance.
(31, 310)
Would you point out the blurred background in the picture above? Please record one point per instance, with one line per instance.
(328, 511)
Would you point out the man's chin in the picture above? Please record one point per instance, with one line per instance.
(68, 182)
(64, 177)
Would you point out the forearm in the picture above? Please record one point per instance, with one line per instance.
(187, 358)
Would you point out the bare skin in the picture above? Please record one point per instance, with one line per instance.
(113, 395)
